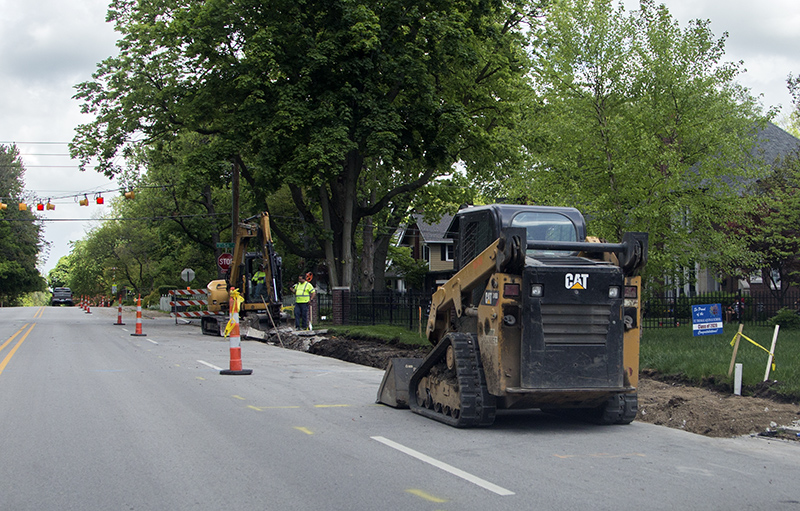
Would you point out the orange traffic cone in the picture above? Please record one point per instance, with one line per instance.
(138, 317)
(119, 313)
(232, 329)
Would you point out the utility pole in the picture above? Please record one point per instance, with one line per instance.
(234, 200)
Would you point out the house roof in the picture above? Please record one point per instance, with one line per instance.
(773, 143)
(433, 233)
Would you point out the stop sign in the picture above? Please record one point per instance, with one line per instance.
(224, 261)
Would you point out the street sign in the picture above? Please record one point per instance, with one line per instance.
(224, 261)
(187, 275)
(225, 245)
(707, 319)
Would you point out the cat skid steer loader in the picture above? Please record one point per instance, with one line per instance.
(537, 316)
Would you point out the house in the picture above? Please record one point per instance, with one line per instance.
(773, 143)
(428, 243)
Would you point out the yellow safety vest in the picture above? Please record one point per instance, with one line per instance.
(303, 292)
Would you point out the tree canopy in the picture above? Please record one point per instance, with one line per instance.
(20, 236)
(356, 106)
(643, 127)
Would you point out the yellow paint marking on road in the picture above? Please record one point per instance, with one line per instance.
(304, 430)
(254, 407)
(6, 360)
(276, 407)
(13, 336)
(600, 455)
(237, 397)
(331, 406)
(200, 378)
(424, 495)
(38, 313)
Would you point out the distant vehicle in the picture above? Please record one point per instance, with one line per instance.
(61, 296)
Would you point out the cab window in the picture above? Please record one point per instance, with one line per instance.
(546, 227)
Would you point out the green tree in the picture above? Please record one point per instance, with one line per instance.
(354, 105)
(772, 230)
(59, 276)
(20, 236)
(643, 127)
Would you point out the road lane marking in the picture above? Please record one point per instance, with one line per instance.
(151, 340)
(238, 397)
(212, 366)
(6, 360)
(425, 495)
(331, 406)
(486, 485)
(38, 313)
(600, 455)
(304, 430)
(13, 336)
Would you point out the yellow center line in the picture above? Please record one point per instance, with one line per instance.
(12, 337)
(304, 430)
(331, 406)
(5, 361)
(39, 313)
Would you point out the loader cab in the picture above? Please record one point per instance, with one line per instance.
(475, 228)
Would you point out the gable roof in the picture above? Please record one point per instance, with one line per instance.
(434, 233)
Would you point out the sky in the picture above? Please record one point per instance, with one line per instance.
(49, 46)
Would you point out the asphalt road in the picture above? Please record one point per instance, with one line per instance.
(93, 418)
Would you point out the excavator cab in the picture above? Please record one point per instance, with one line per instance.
(537, 316)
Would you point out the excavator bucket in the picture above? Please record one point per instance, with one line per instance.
(394, 386)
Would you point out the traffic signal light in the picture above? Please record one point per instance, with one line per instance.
(23, 206)
(130, 195)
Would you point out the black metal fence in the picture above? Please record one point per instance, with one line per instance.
(660, 311)
(665, 311)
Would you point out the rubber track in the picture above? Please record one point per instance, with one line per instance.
(477, 405)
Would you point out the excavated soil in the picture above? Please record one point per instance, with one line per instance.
(710, 409)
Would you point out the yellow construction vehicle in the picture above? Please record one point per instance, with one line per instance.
(261, 309)
(537, 316)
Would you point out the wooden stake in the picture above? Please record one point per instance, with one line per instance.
(735, 348)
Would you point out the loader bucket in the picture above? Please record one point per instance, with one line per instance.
(394, 386)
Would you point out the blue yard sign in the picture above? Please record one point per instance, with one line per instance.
(707, 319)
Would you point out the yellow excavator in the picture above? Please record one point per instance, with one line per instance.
(261, 309)
(538, 316)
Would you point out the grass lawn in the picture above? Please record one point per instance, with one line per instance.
(677, 351)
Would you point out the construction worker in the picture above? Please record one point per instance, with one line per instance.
(303, 293)
(260, 278)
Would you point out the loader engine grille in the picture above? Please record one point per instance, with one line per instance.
(575, 323)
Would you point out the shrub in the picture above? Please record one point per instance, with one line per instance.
(786, 318)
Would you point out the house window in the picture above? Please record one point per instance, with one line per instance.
(449, 252)
(426, 253)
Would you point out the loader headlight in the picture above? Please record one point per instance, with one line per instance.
(613, 292)
(537, 290)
